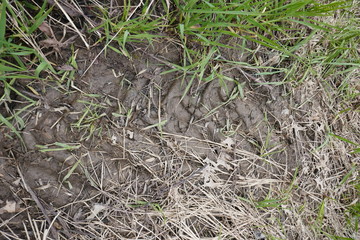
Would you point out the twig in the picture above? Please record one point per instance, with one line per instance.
(72, 24)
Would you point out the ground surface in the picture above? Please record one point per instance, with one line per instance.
(120, 152)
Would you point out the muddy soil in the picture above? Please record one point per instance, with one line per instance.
(133, 131)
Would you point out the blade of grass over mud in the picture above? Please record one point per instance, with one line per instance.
(303, 42)
(71, 171)
(236, 92)
(200, 72)
(16, 50)
(292, 9)
(7, 66)
(335, 237)
(158, 125)
(4, 68)
(91, 104)
(9, 86)
(325, 142)
(57, 146)
(264, 41)
(128, 17)
(225, 12)
(316, 25)
(3, 120)
(40, 68)
(187, 55)
(188, 86)
(205, 61)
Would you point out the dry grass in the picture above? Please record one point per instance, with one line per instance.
(168, 186)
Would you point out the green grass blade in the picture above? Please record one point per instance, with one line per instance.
(271, 203)
(343, 139)
(243, 13)
(4, 68)
(57, 146)
(39, 19)
(346, 177)
(2, 22)
(41, 67)
(356, 150)
(71, 171)
(158, 125)
(3, 120)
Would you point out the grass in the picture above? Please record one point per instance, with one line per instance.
(299, 180)
(266, 24)
(90, 116)
(57, 147)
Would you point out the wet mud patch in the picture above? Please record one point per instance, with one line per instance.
(125, 139)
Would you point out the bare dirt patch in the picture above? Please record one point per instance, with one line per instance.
(137, 134)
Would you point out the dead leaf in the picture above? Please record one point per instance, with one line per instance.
(150, 160)
(212, 184)
(209, 174)
(96, 210)
(259, 235)
(10, 207)
(71, 10)
(223, 160)
(229, 142)
(17, 182)
(45, 28)
(78, 215)
(114, 140)
(65, 67)
(57, 225)
(196, 26)
(51, 42)
(130, 134)
(272, 61)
